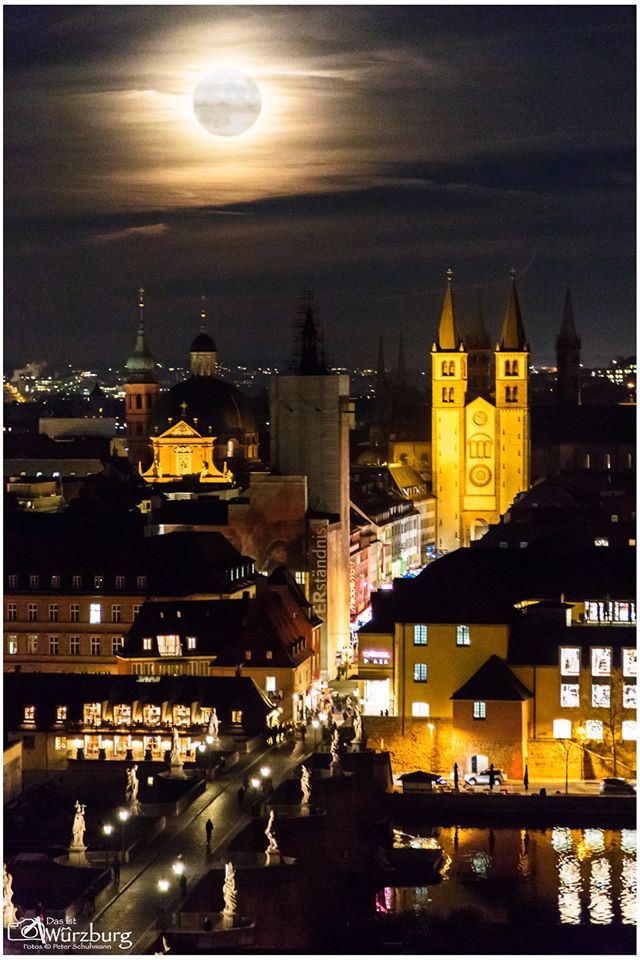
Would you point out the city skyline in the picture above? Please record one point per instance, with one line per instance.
(507, 141)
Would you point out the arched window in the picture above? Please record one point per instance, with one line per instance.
(507, 368)
(445, 368)
(445, 394)
(138, 402)
(514, 368)
(514, 394)
(507, 395)
(450, 394)
(452, 368)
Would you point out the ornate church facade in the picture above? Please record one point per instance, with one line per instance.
(479, 424)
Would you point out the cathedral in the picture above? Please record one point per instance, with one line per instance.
(479, 423)
(200, 428)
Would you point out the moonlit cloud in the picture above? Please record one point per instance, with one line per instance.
(153, 230)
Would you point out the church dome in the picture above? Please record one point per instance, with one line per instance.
(203, 344)
(218, 407)
(140, 365)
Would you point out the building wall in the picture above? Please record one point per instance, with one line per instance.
(415, 744)
(501, 736)
(12, 771)
(447, 439)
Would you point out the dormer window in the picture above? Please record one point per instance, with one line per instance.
(61, 714)
(30, 714)
(270, 653)
(191, 643)
(247, 654)
(141, 583)
(146, 643)
(34, 581)
(55, 582)
(98, 582)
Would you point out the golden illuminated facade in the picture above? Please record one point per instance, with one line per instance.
(181, 452)
(480, 438)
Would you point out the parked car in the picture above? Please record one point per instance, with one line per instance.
(616, 785)
(499, 777)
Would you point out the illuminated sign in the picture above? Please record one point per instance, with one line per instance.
(376, 656)
(570, 661)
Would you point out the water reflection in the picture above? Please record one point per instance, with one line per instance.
(600, 908)
(569, 889)
(628, 898)
(628, 841)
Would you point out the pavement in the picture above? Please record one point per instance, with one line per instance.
(137, 903)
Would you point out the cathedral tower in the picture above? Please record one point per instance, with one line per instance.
(568, 359)
(204, 357)
(141, 394)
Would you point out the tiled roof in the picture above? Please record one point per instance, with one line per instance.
(493, 681)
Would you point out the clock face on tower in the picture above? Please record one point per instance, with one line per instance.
(479, 418)
(480, 475)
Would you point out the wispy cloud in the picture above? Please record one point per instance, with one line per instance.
(153, 230)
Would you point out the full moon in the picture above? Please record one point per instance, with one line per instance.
(227, 102)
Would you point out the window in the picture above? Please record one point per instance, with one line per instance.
(117, 643)
(54, 646)
(32, 612)
(629, 730)
(247, 654)
(76, 581)
(98, 581)
(629, 699)
(607, 461)
(34, 581)
(562, 729)
(119, 583)
(236, 716)
(147, 643)
(192, 643)
(13, 581)
(419, 709)
(300, 578)
(462, 636)
(135, 610)
(169, 645)
(594, 729)
(181, 714)
(630, 662)
(32, 644)
(53, 611)
(116, 613)
(74, 612)
(95, 613)
(74, 646)
(420, 672)
(570, 661)
(12, 611)
(61, 714)
(55, 582)
(12, 644)
(600, 661)
(92, 714)
(601, 542)
(30, 714)
(569, 695)
(121, 713)
(269, 654)
(420, 635)
(601, 695)
(141, 583)
(151, 714)
(270, 684)
(61, 743)
(95, 646)
(623, 611)
(479, 710)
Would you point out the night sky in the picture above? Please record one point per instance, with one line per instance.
(394, 142)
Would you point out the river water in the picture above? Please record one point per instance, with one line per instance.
(558, 876)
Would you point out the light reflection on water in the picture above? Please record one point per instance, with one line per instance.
(564, 875)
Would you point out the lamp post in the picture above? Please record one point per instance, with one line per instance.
(107, 829)
(178, 870)
(123, 816)
(163, 887)
(582, 736)
(265, 773)
(316, 725)
(210, 742)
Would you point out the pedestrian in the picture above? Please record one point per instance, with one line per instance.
(116, 871)
(526, 778)
(241, 793)
(209, 830)
(245, 782)
(456, 778)
(492, 777)
(303, 730)
(183, 886)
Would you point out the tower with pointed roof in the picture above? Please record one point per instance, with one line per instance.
(568, 359)
(141, 394)
(204, 357)
(479, 439)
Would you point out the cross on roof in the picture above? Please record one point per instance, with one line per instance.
(183, 407)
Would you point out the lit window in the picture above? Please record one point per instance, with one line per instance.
(92, 714)
(98, 581)
(600, 661)
(192, 643)
(54, 646)
(570, 661)
(236, 716)
(95, 613)
(420, 635)
(12, 611)
(601, 695)
(61, 714)
(269, 654)
(594, 729)
(270, 684)
(34, 581)
(30, 714)
(169, 645)
(419, 672)
(32, 644)
(247, 654)
(117, 643)
(55, 582)
(419, 709)
(53, 611)
(463, 638)
(74, 646)
(32, 612)
(562, 729)
(569, 695)
(121, 713)
(479, 710)
(629, 730)
(146, 643)
(630, 662)
(622, 611)
(151, 714)
(629, 699)
(601, 542)
(12, 645)
(301, 578)
(116, 613)
(95, 646)
(61, 743)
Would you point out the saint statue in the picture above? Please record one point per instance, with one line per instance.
(335, 756)
(175, 749)
(357, 726)
(79, 826)
(305, 784)
(214, 725)
(131, 792)
(9, 913)
(270, 835)
(229, 890)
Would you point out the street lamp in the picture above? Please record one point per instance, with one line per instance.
(163, 887)
(315, 724)
(123, 816)
(107, 829)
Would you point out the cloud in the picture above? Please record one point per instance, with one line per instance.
(153, 230)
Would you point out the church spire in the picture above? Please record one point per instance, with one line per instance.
(203, 354)
(311, 359)
(568, 332)
(513, 335)
(203, 313)
(401, 372)
(140, 364)
(448, 335)
(568, 358)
